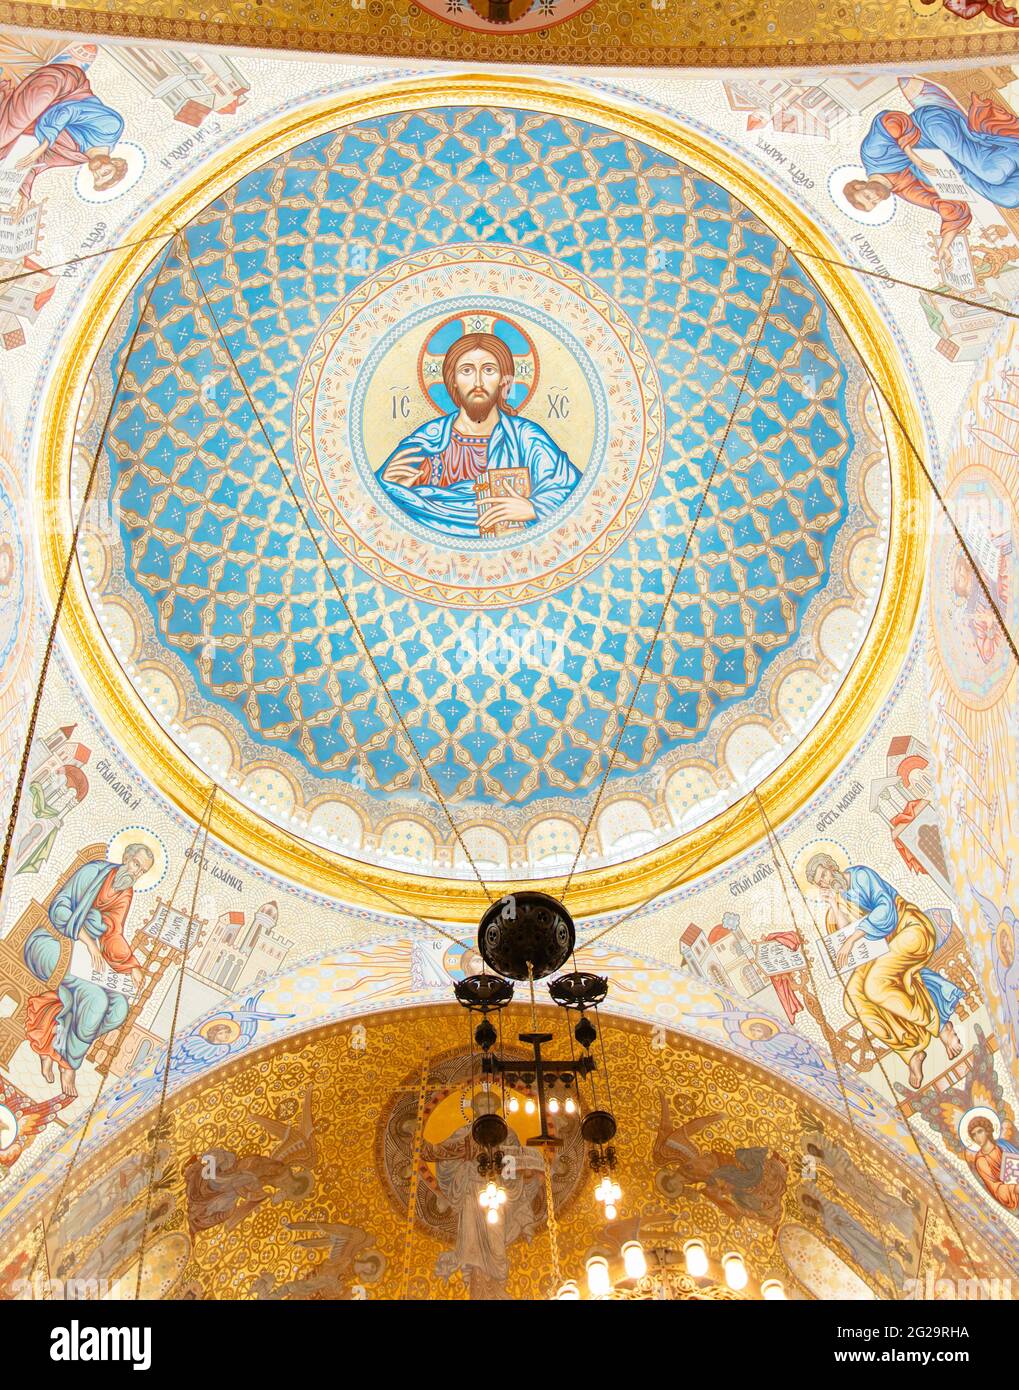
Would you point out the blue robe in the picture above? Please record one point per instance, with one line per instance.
(89, 122)
(87, 1010)
(988, 163)
(876, 898)
(514, 443)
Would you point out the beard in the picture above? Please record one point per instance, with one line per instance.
(123, 878)
(478, 404)
(840, 882)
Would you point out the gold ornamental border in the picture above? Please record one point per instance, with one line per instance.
(455, 900)
(711, 36)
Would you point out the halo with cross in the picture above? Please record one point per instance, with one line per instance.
(445, 334)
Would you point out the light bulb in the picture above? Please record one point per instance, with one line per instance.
(513, 1105)
(696, 1259)
(493, 1215)
(598, 1276)
(615, 1192)
(735, 1271)
(553, 1106)
(500, 1196)
(571, 1105)
(570, 1290)
(772, 1290)
(610, 1212)
(529, 1106)
(633, 1259)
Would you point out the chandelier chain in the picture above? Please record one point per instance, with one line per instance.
(427, 777)
(677, 572)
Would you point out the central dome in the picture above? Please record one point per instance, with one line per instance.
(626, 290)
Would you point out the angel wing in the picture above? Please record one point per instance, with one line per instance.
(295, 1143)
(699, 1122)
(249, 1017)
(988, 910)
(951, 1113)
(342, 1242)
(984, 1087)
(194, 1053)
(35, 1118)
(250, 1009)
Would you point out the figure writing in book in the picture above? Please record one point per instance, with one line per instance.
(434, 473)
(56, 107)
(895, 995)
(982, 145)
(92, 906)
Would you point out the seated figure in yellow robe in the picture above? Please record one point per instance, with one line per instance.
(896, 996)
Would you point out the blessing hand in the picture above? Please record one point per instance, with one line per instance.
(406, 467)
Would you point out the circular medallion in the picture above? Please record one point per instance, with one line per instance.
(505, 16)
(970, 642)
(575, 233)
(418, 412)
(448, 1180)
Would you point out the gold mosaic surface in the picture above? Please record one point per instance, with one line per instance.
(606, 32)
(323, 1211)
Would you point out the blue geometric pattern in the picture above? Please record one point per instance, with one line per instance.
(232, 581)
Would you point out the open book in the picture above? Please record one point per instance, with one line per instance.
(776, 959)
(865, 949)
(947, 182)
(111, 980)
(943, 176)
(1010, 1168)
(10, 181)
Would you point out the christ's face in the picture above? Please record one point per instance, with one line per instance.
(479, 385)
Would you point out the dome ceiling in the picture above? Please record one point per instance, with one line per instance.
(282, 588)
(311, 635)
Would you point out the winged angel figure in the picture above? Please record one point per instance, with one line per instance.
(1003, 923)
(22, 1119)
(209, 1044)
(350, 1256)
(978, 1124)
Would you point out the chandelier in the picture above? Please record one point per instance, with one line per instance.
(528, 936)
(668, 1271)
